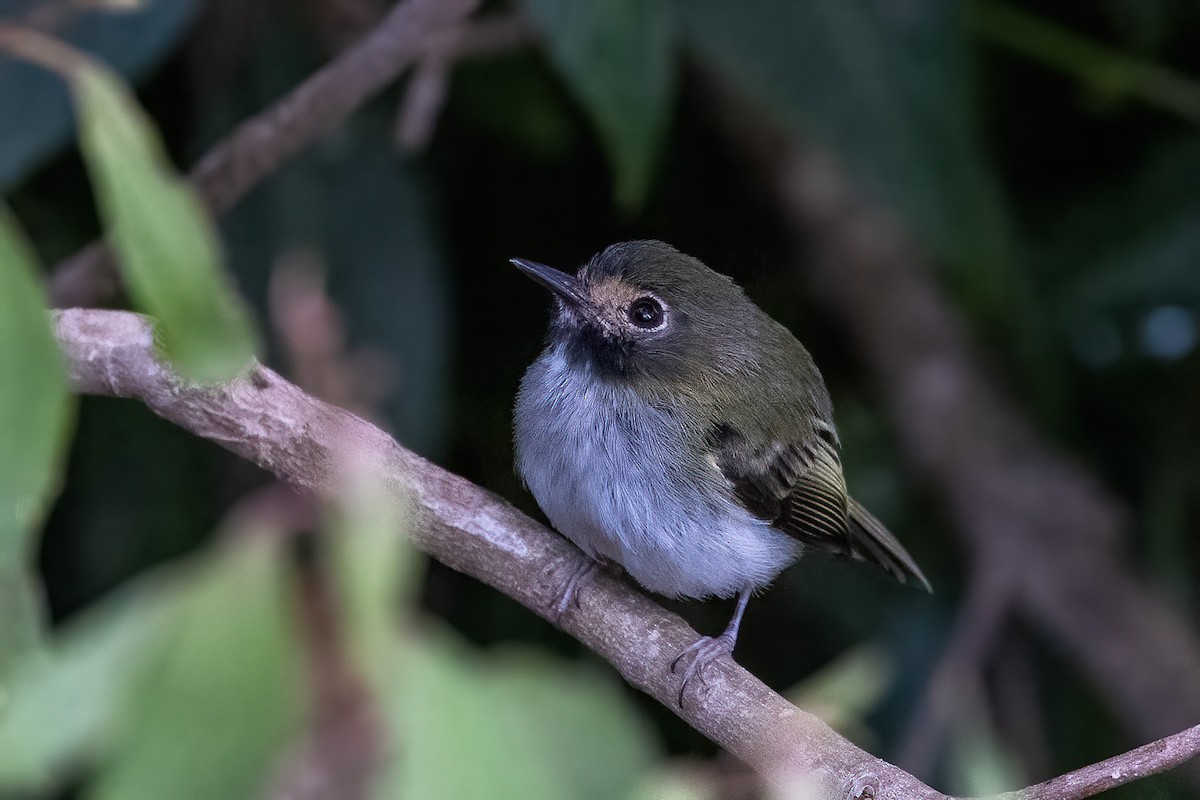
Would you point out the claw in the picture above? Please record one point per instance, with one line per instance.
(569, 594)
(708, 649)
(703, 652)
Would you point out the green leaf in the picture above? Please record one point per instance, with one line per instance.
(164, 241)
(35, 109)
(676, 781)
(885, 86)
(214, 716)
(376, 570)
(980, 765)
(845, 691)
(516, 725)
(578, 722)
(183, 684)
(84, 682)
(457, 724)
(166, 245)
(618, 58)
(35, 420)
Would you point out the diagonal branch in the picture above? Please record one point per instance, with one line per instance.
(1140, 762)
(980, 623)
(425, 93)
(267, 420)
(263, 143)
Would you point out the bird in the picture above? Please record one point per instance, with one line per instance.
(672, 427)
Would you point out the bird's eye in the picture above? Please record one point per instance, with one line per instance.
(646, 313)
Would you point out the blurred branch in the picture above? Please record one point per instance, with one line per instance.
(426, 92)
(987, 607)
(1105, 70)
(1017, 708)
(51, 16)
(339, 755)
(1024, 510)
(312, 335)
(1111, 773)
(267, 420)
(263, 143)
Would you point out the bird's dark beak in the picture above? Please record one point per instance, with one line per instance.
(565, 286)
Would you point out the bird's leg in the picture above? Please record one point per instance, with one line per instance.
(568, 595)
(708, 648)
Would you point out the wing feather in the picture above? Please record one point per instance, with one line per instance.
(799, 488)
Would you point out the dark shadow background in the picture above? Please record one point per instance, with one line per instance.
(1095, 330)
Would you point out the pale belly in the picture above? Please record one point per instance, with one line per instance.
(604, 468)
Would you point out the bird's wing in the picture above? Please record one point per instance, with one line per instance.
(798, 487)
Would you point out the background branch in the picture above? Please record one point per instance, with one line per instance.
(979, 624)
(269, 421)
(425, 94)
(263, 143)
(1110, 773)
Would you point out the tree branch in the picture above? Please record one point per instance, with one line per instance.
(260, 145)
(267, 420)
(425, 93)
(1146, 760)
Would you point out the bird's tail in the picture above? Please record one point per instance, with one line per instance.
(871, 541)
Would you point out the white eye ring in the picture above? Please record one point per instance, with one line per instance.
(647, 313)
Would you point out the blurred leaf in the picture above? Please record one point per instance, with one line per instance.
(511, 726)
(166, 245)
(886, 87)
(212, 719)
(462, 726)
(675, 781)
(182, 684)
(35, 110)
(1110, 73)
(139, 491)
(376, 569)
(35, 421)
(1158, 267)
(981, 764)
(579, 721)
(845, 691)
(618, 57)
(84, 683)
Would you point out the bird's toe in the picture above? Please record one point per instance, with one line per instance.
(568, 595)
(699, 656)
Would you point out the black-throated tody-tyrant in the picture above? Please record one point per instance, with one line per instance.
(672, 427)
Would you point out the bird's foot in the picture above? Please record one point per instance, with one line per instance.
(568, 595)
(702, 653)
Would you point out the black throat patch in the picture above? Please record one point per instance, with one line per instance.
(588, 345)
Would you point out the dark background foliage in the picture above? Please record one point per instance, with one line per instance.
(1046, 154)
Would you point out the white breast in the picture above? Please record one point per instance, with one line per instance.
(603, 466)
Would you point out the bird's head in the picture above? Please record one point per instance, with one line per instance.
(642, 310)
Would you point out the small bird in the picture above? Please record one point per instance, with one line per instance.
(672, 427)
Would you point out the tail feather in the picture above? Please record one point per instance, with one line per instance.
(871, 541)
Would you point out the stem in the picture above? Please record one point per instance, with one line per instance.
(1104, 69)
